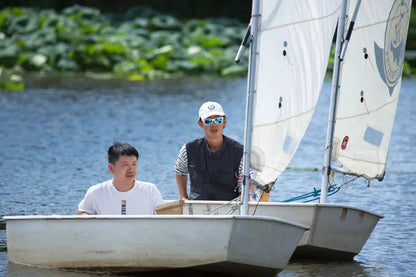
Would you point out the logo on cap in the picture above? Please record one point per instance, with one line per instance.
(211, 107)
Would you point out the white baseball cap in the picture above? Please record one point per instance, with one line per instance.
(210, 108)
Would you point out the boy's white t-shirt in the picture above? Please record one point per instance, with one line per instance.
(105, 199)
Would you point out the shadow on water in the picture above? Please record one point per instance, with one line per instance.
(16, 270)
(297, 268)
(304, 268)
(3, 242)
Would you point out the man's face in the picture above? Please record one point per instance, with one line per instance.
(125, 169)
(213, 130)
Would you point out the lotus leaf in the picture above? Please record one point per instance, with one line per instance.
(128, 29)
(139, 44)
(184, 66)
(160, 62)
(9, 53)
(164, 22)
(65, 64)
(38, 38)
(203, 59)
(10, 80)
(3, 18)
(166, 50)
(233, 71)
(60, 49)
(140, 23)
(161, 38)
(208, 41)
(23, 24)
(113, 48)
(67, 30)
(135, 41)
(78, 11)
(125, 67)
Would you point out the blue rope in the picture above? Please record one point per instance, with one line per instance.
(315, 194)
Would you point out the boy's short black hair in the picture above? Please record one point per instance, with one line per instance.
(119, 149)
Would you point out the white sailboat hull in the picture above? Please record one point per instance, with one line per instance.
(226, 244)
(336, 231)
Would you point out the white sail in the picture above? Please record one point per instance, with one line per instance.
(369, 87)
(294, 42)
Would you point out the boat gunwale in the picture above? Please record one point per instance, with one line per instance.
(293, 204)
(153, 217)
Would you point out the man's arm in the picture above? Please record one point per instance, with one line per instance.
(181, 182)
(181, 173)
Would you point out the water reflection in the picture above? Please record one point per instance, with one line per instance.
(298, 269)
(15, 270)
(307, 269)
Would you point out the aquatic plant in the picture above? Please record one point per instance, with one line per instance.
(140, 44)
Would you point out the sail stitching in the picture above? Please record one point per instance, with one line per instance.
(361, 160)
(361, 114)
(289, 118)
(380, 22)
(303, 21)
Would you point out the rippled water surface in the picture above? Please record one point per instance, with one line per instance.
(54, 137)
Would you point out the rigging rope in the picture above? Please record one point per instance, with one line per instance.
(235, 205)
(315, 194)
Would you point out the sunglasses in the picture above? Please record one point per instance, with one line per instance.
(209, 121)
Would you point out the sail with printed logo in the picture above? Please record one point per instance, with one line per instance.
(369, 88)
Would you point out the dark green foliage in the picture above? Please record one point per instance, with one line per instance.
(139, 44)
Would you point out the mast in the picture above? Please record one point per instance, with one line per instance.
(340, 50)
(254, 22)
(332, 106)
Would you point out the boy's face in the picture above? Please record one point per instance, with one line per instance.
(214, 130)
(125, 169)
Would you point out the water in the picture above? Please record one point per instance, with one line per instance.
(54, 137)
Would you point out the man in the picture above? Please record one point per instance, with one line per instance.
(214, 162)
(123, 195)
